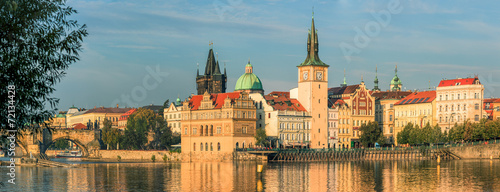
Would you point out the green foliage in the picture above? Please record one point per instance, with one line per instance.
(119, 157)
(38, 42)
(110, 136)
(153, 158)
(165, 104)
(61, 144)
(165, 158)
(261, 137)
(483, 130)
(371, 134)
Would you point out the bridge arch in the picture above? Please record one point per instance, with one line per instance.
(83, 148)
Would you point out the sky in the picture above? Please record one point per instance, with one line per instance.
(144, 52)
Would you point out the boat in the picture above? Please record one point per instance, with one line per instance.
(70, 154)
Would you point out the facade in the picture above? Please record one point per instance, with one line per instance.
(417, 108)
(333, 122)
(218, 123)
(122, 121)
(249, 82)
(212, 81)
(58, 121)
(384, 110)
(94, 118)
(172, 115)
(459, 100)
(492, 107)
(313, 90)
(356, 107)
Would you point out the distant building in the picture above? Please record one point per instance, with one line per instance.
(95, 117)
(384, 111)
(217, 123)
(459, 100)
(333, 122)
(396, 84)
(172, 115)
(122, 121)
(492, 108)
(249, 82)
(212, 81)
(158, 109)
(417, 108)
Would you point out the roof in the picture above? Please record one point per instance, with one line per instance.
(217, 99)
(418, 97)
(248, 81)
(312, 48)
(343, 90)
(390, 95)
(459, 81)
(335, 101)
(79, 126)
(127, 114)
(281, 101)
(107, 110)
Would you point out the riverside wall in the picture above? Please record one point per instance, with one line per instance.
(481, 151)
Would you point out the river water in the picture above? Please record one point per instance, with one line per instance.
(457, 175)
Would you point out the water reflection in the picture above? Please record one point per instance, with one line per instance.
(465, 175)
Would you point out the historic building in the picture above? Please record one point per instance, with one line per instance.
(172, 115)
(249, 82)
(492, 107)
(285, 120)
(313, 90)
(333, 122)
(396, 84)
(212, 81)
(94, 118)
(384, 110)
(217, 123)
(459, 100)
(122, 121)
(356, 107)
(417, 108)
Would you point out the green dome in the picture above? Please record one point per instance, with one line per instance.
(60, 115)
(396, 81)
(248, 81)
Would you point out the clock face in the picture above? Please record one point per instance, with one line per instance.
(305, 75)
(319, 75)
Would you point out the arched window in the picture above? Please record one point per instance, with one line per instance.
(201, 146)
(206, 129)
(218, 146)
(194, 146)
(206, 146)
(476, 106)
(243, 146)
(201, 129)
(237, 145)
(440, 119)
(211, 130)
(211, 147)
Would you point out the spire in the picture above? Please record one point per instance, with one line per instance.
(345, 83)
(197, 69)
(224, 68)
(362, 78)
(375, 82)
(313, 47)
(210, 66)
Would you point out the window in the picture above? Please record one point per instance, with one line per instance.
(476, 117)
(194, 146)
(211, 147)
(218, 146)
(440, 97)
(390, 117)
(219, 130)
(458, 96)
(465, 96)
(476, 106)
(440, 119)
(446, 97)
(206, 146)
(195, 131)
(244, 130)
(185, 131)
(201, 146)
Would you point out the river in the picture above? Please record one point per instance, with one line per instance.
(457, 175)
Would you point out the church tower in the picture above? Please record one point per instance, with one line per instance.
(212, 81)
(375, 82)
(313, 90)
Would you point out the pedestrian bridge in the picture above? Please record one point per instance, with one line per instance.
(35, 143)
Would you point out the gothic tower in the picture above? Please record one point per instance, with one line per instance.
(375, 82)
(313, 90)
(212, 81)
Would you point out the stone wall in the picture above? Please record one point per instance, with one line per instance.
(139, 155)
(480, 151)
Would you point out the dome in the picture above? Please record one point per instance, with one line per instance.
(248, 81)
(396, 81)
(60, 115)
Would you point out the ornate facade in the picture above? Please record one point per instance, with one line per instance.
(212, 81)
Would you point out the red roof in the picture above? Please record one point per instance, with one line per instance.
(217, 99)
(418, 97)
(126, 114)
(107, 110)
(343, 90)
(455, 82)
(79, 126)
(281, 101)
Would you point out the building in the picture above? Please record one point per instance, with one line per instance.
(396, 84)
(122, 121)
(218, 123)
(172, 115)
(313, 90)
(356, 107)
(212, 81)
(492, 107)
(384, 110)
(417, 108)
(249, 82)
(94, 118)
(459, 100)
(333, 122)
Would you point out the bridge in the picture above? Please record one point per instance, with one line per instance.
(36, 143)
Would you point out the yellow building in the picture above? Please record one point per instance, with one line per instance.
(384, 110)
(96, 116)
(417, 108)
(458, 100)
(356, 107)
(313, 90)
(218, 123)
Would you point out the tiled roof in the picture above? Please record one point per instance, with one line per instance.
(126, 114)
(108, 110)
(342, 90)
(391, 94)
(418, 97)
(281, 101)
(217, 99)
(79, 126)
(335, 101)
(454, 82)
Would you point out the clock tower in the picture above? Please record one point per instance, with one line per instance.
(313, 91)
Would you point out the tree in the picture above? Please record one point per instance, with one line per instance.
(145, 122)
(38, 42)
(163, 137)
(61, 144)
(165, 104)
(371, 134)
(261, 137)
(110, 136)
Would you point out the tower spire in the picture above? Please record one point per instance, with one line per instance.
(313, 47)
(197, 69)
(345, 83)
(375, 82)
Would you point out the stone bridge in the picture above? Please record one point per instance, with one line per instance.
(38, 142)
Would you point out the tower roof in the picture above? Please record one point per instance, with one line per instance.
(312, 48)
(248, 81)
(212, 66)
(395, 80)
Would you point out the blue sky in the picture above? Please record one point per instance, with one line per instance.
(129, 40)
